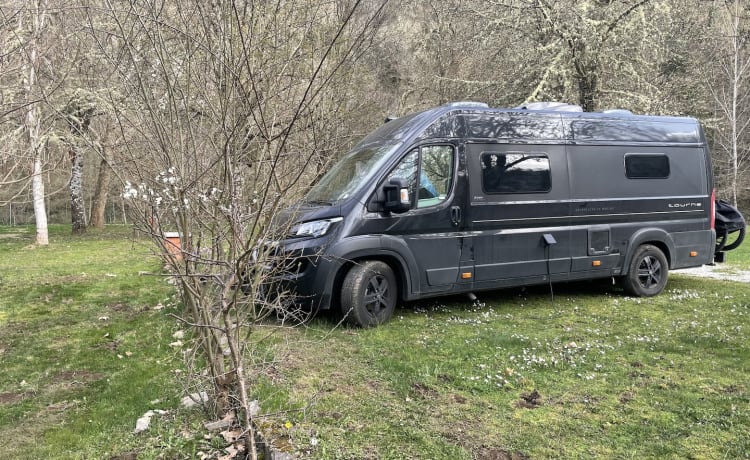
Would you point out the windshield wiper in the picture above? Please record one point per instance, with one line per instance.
(324, 202)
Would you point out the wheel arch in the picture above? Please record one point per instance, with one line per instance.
(655, 237)
(392, 260)
(390, 251)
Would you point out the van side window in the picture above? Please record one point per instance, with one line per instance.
(407, 169)
(436, 175)
(429, 172)
(644, 166)
(515, 173)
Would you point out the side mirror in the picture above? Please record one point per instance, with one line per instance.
(396, 196)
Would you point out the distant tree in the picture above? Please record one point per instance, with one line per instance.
(728, 78)
(586, 30)
(614, 54)
(103, 181)
(78, 112)
(29, 53)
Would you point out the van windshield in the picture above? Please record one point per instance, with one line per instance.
(349, 174)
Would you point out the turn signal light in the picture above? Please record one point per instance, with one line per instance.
(466, 275)
(596, 263)
(693, 253)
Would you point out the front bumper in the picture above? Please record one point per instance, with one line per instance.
(299, 269)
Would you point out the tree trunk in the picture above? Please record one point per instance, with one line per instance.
(586, 64)
(79, 111)
(99, 201)
(587, 88)
(33, 122)
(737, 75)
(37, 192)
(77, 207)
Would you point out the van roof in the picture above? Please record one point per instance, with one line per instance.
(563, 123)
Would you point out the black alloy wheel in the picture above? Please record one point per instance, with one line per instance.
(369, 293)
(648, 272)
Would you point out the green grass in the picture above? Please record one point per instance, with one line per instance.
(738, 259)
(617, 377)
(590, 374)
(83, 351)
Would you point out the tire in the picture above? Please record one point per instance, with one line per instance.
(647, 273)
(721, 240)
(369, 294)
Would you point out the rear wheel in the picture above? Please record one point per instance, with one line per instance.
(368, 294)
(648, 271)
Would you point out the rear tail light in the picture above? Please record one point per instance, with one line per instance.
(713, 209)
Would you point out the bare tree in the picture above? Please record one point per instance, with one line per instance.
(222, 107)
(34, 33)
(728, 74)
(31, 62)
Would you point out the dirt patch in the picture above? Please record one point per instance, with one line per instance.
(65, 280)
(127, 311)
(499, 454)
(12, 398)
(111, 346)
(61, 406)
(458, 399)
(733, 389)
(125, 456)
(424, 391)
(8, 236)
(76, 377)
(118, 307)
(529, 400)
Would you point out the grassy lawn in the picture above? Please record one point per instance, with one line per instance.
(590, 374)
(84, 352)
(84, 347)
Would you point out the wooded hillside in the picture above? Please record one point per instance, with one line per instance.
(99, 95)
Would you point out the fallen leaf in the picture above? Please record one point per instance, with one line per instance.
(231, 453)
(231, 436)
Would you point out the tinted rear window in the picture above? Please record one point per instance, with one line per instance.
(639, 166)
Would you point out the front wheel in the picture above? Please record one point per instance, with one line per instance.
(647, 274)
(368, 295)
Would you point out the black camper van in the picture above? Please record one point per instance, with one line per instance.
(463, 198)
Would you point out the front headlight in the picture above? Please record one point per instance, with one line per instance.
(314, 228)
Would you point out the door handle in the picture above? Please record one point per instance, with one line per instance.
(456, 215)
